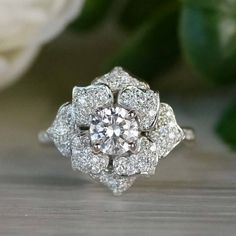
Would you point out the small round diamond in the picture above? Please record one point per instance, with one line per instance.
(114, 130)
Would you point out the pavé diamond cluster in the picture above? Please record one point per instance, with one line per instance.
(115, 130)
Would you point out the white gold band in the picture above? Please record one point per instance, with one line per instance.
(44, 139)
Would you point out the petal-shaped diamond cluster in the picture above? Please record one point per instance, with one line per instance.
(117, 183)
(118, 79)
(144, 162)
(115, 129)
(86, 100)
(84, 159)
(63, 129)
(144, 102)
(167, 134)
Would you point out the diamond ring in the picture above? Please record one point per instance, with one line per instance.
(115, 130)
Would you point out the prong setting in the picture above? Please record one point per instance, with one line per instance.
(132, 114)
(96, 148)
(133, 147)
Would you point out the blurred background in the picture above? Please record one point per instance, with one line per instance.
(184, 49)
(180, 47)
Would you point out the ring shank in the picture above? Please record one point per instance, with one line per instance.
(188, 132)
(44, 138)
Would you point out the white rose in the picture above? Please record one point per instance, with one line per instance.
(25, 25)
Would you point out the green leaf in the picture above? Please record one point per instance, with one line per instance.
(93, 13)
(137, 12)
(154, 47)
(226, 127)
(208, 38)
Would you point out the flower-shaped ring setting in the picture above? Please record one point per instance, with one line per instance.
(115, 130)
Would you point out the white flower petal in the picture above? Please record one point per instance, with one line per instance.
(14, 63)
(118, 79)
(62, 130)
(84, 159)
(87, 99)
(25, 26)
(167, 133)
(59, 14)
(144, 102)
(34, 22)
(144, 162)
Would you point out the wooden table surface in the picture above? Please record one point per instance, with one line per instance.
(193, 192)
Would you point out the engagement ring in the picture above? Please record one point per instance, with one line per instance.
(115, 130)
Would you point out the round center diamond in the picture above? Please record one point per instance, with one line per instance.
(114, 130)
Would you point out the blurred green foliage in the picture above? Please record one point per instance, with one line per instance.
(227, 126)
(208, 37)
(137, 12)
(154, 46)
(93, 14)
(161, 31)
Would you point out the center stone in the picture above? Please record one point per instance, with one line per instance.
(114, 130)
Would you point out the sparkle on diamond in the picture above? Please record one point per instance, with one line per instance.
(113, 130)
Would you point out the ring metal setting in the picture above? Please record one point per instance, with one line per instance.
(115, 130)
